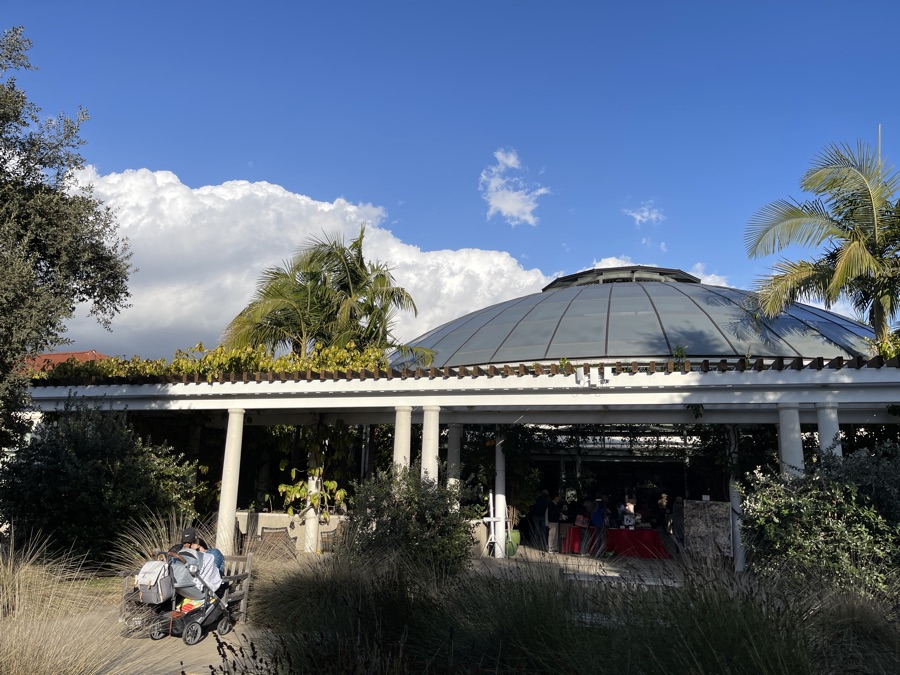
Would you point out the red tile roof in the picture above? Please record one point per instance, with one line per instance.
(49, 360)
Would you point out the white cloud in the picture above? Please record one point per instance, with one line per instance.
(647, 213)
(200, 251)
(614, 261)
(507, 194)
(698, 270)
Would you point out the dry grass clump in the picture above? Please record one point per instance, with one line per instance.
(382, 615)
(49, 620)
(153, 534)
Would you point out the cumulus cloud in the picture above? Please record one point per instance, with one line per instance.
(200, 251)
(646, 213)
(699, 271)
(507, 193)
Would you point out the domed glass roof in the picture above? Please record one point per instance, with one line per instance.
(638, 313)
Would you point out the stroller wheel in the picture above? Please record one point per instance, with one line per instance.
(159, 629)
(192, 633)
(225, 626)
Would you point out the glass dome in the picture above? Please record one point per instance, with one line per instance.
(638, 313)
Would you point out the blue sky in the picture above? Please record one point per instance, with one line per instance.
(488, 146)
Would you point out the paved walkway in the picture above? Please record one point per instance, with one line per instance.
(613, 569)
(170, 656)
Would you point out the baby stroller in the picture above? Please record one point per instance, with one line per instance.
(182, 602)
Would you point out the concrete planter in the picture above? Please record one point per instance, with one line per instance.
(251, 523)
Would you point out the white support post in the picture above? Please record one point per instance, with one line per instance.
(430, 441)
(402, 435)
(829, 429)
(790, 443)
(734, 496)
(231, 470)
(500, 496)
(454, 461)
(311, 518)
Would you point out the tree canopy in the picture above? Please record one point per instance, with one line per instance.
(58, 244)
(853, 222)
(328, 293)
(86, 475)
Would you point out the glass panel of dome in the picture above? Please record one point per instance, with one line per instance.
(551, 309)
(449, 344)
(582, 329)
(806, 341)
(528, 340)
(473, 358)
(487, 338)
(512, 314)
(740, 328)
(819, 316)
(633, 324)
(687, 325)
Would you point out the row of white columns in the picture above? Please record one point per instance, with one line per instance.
(790, 450)
(790, 442)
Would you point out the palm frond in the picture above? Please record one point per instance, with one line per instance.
(790, 282)
(782, 223)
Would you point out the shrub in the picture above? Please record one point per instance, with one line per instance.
(816, 521)
(85, 475)
(397, 513)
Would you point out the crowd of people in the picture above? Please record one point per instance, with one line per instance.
(593, 517)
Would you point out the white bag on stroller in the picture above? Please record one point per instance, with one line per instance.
(154, 583)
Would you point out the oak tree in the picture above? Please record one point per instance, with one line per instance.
(59, 245)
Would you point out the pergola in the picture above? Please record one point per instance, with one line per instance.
(777, 391)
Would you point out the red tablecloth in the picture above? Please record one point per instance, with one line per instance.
(636, 543)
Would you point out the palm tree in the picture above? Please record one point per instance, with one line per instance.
(327, 293)
(855, 219)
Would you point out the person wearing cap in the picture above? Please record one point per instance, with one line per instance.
(189, 539)
(209, 570)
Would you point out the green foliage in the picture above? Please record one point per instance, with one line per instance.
(889, 347)
(399, 514)
(819, 520)
(210, 364)
(327, 446)
(875, 473)
(327, 294)
(853, 221)
(58, 244)
(85, 475)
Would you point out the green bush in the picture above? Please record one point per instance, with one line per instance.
(399, 513)
(85, 475)
(817, 521)
(876, 474)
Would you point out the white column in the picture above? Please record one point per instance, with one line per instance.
(231, 471)
(790, 444)
(402, 424)
(430, 441)
(311, 517)
(454, 459)
(829, 431)
(734, 496)
(500, 496)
